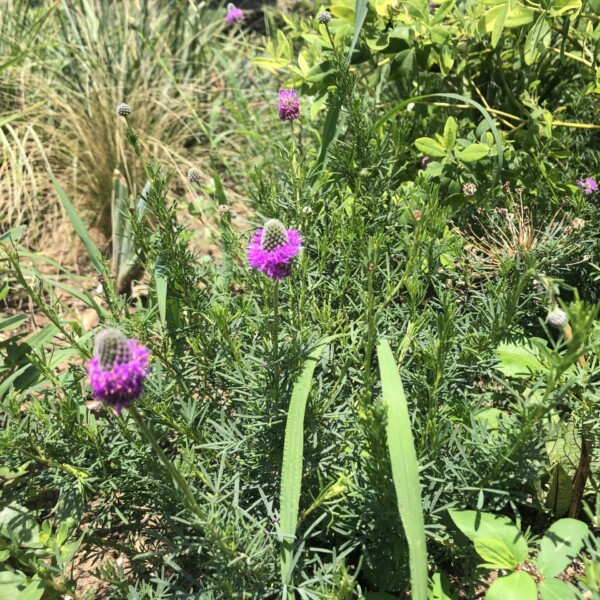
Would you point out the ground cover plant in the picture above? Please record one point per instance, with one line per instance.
(382, 381)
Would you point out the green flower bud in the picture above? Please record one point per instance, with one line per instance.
(324, 17)
(112, 347)
(123, 109)
(194, 175)
(274, 235)
(557, 318)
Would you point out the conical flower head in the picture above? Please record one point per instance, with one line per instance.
(272, 249)
(274, 235)
(117, 371)
(123, 109)
(111, 348)
(324, 17)
(289, 107)
(557, 318)
(194, 175)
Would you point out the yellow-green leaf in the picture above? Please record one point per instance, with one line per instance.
(450, 133)
(499, 23)
(430, 147)
(473, 153)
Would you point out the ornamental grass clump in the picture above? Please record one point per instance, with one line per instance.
(273, 248)
(118, 369)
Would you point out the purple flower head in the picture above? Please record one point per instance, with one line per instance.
(272, 249)
(588, 185)
(289, 107)
(117, 371)
(234, 14)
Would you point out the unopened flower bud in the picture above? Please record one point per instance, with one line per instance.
(193, 175)
(324, 17)
(123, 110)
(557, 318)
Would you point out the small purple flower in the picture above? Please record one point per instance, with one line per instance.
(289, 107)
(272, 249)
(234, 14)
(588, 185)
(117, 371)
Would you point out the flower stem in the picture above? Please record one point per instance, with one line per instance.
(275, 335)
(188, 496)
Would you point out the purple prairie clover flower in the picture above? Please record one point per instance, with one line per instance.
(234, 14)
(117, 371)
(588, 185)
(289, 107)
(273, 248)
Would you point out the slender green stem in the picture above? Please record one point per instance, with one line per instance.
(275, 335)
(370, 328)
(180, 482)
(133, 140)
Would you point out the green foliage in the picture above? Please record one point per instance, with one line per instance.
(33, 558)
(264, 461)
(500, 543)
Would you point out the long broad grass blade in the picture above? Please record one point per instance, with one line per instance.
(291, 470)
(362, 7)
(162, 283)
(80, 228)
(405, 469)
(119, 194)
(329, 131)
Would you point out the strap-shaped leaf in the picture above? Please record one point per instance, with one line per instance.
(362, 7)
(80, 228)
(291, 470)
(405, 469)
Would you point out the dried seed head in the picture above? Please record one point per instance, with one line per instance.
(324, 17)
(112, 348)
(469, 189)
(575, 226)
(274, 235)
(193, 175)
(123, 110)
(557, 318)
